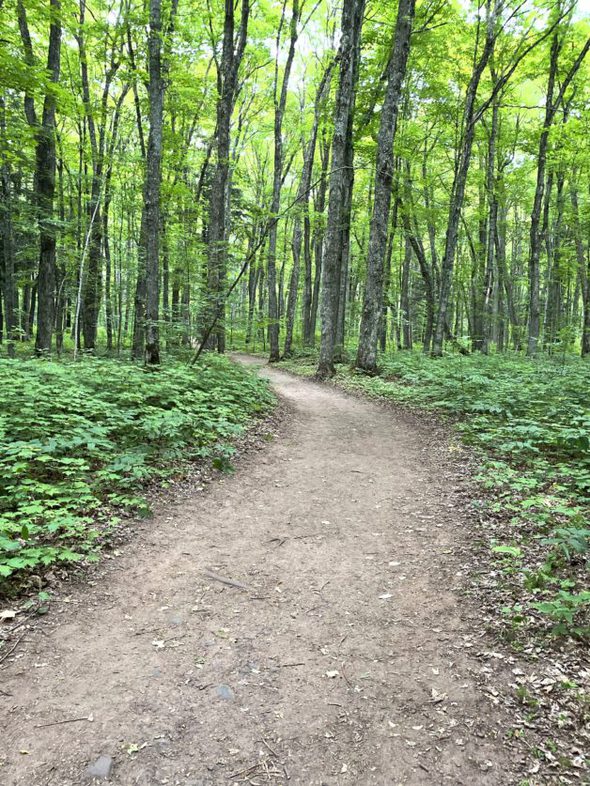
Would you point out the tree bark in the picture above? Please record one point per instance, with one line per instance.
(153, 177)
(349, 54)
(280, 102)
(219, 203)
(583, 268)
(301, 225)
(460, 179)
(373, 300)
(45, 173)
(551, 106)
(7, 253)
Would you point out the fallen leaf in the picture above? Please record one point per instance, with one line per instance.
(332, 673)
(7, 614)
(437, 697)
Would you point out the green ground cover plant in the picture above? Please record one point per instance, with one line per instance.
(80, 441)
(529, 422)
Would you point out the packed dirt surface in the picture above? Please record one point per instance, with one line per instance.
(296, 623)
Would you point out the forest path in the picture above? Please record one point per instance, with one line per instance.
(344, 661)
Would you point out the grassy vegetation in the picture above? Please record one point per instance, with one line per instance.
(79, 442)
(530, 423)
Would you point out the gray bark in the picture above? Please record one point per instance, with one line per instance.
(45, 173)
(219, 204)
(280, 102)
(349, 54)
(372, 303)
(470, 117)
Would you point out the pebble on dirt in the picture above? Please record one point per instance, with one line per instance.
(225, 692)
(101, 768)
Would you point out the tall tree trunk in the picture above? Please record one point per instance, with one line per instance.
(338, 353)
(460, 179)
(491, 191)
(7, 254)
(405, 314)
(373, 300)
(583, 268)
(534, 322)
(280, 102)
(227, 88)
(301, 225)
(352, 21)
(45, 172)
(312, 282)
(108, 300)
(552, 104)
(153, 177)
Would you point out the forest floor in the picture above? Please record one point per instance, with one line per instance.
(297, 622)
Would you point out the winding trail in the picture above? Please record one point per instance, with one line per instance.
(344, 660)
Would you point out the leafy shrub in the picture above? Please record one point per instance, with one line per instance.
(78, 441)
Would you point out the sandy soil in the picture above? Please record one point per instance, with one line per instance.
(339, 655)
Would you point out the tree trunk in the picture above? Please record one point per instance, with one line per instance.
(551, 106)
(7, 255)
(491, 191)
(460, 179)
(153, 177)
(406, 316)
(45, 173)
(373, 300)
(583, 268)
(312, 284)
(301, 225)
(352, 21)
(280, 101)
(219, 203)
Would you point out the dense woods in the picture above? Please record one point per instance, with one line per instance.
(382, 176)
(392, 196)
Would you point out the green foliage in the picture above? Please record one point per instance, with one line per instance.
(564, 609)
(79, 441)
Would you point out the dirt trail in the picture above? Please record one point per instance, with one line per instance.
(344, 661)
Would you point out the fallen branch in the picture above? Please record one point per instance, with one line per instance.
(10, 651)
(225, 580)
(67, 720)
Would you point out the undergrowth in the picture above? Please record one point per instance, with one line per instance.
(530, 423)
(80, 441)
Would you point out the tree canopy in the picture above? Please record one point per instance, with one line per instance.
(294, 173)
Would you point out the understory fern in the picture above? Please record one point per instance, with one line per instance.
(78, 442)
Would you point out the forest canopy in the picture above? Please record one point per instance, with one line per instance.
(361, 178)
(393, 196)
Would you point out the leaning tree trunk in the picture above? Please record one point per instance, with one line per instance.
(470, 116)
